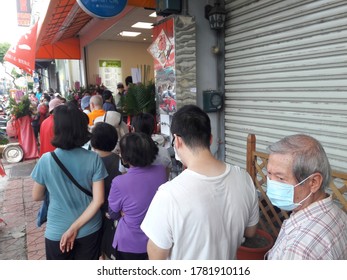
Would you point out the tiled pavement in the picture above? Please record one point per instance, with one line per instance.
(20, 239)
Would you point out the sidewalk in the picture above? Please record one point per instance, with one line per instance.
(20, 239)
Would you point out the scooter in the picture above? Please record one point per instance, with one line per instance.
(12, 152)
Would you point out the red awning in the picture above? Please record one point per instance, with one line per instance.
(23, 53)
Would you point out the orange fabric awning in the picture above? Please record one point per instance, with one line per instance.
(57, 35)
(64, 49)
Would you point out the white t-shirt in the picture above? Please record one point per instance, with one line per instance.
(202, 217)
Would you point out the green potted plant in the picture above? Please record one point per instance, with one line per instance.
(21, 112)
(139, 98)
(22, 108)
(3, 139)
(256, 247)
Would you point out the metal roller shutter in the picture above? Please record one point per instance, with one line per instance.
(286, 73)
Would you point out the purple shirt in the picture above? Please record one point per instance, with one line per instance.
(132, 194)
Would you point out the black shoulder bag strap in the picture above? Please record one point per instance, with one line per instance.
(68, 174)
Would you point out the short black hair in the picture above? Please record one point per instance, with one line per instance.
(73, 102)
(70, 127)
(192, 124)
(143, 122)
(104, 137)
(46, 97)
(128, 80)
(106, 95)
(138, 149)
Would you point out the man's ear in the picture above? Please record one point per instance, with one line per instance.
(178, 140)
(316, 182)
(211, 139)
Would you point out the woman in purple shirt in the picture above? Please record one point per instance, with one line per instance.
(132, 193)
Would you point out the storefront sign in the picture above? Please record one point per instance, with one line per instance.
(102, 8)
(110, 72)
(23, 12)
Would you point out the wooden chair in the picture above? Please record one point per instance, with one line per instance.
(271, 217)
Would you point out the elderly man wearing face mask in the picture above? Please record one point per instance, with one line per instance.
(298, 174)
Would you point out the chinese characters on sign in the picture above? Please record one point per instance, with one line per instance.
(110, 72)
(23, 12)
(163, 51)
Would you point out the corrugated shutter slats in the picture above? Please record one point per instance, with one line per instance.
(286, 73)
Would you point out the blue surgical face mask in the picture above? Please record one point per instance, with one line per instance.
(282, 194)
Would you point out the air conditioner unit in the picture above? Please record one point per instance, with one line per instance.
(168, 7)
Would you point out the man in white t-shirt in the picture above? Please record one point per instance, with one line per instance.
(204, 212)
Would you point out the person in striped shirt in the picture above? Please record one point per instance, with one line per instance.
(298, 176)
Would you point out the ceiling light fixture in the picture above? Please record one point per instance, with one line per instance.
(129, 34)
(143, 25)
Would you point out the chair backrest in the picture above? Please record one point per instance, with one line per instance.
(271, 217)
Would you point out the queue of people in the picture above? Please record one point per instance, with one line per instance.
(41, 110)
(136, 212)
